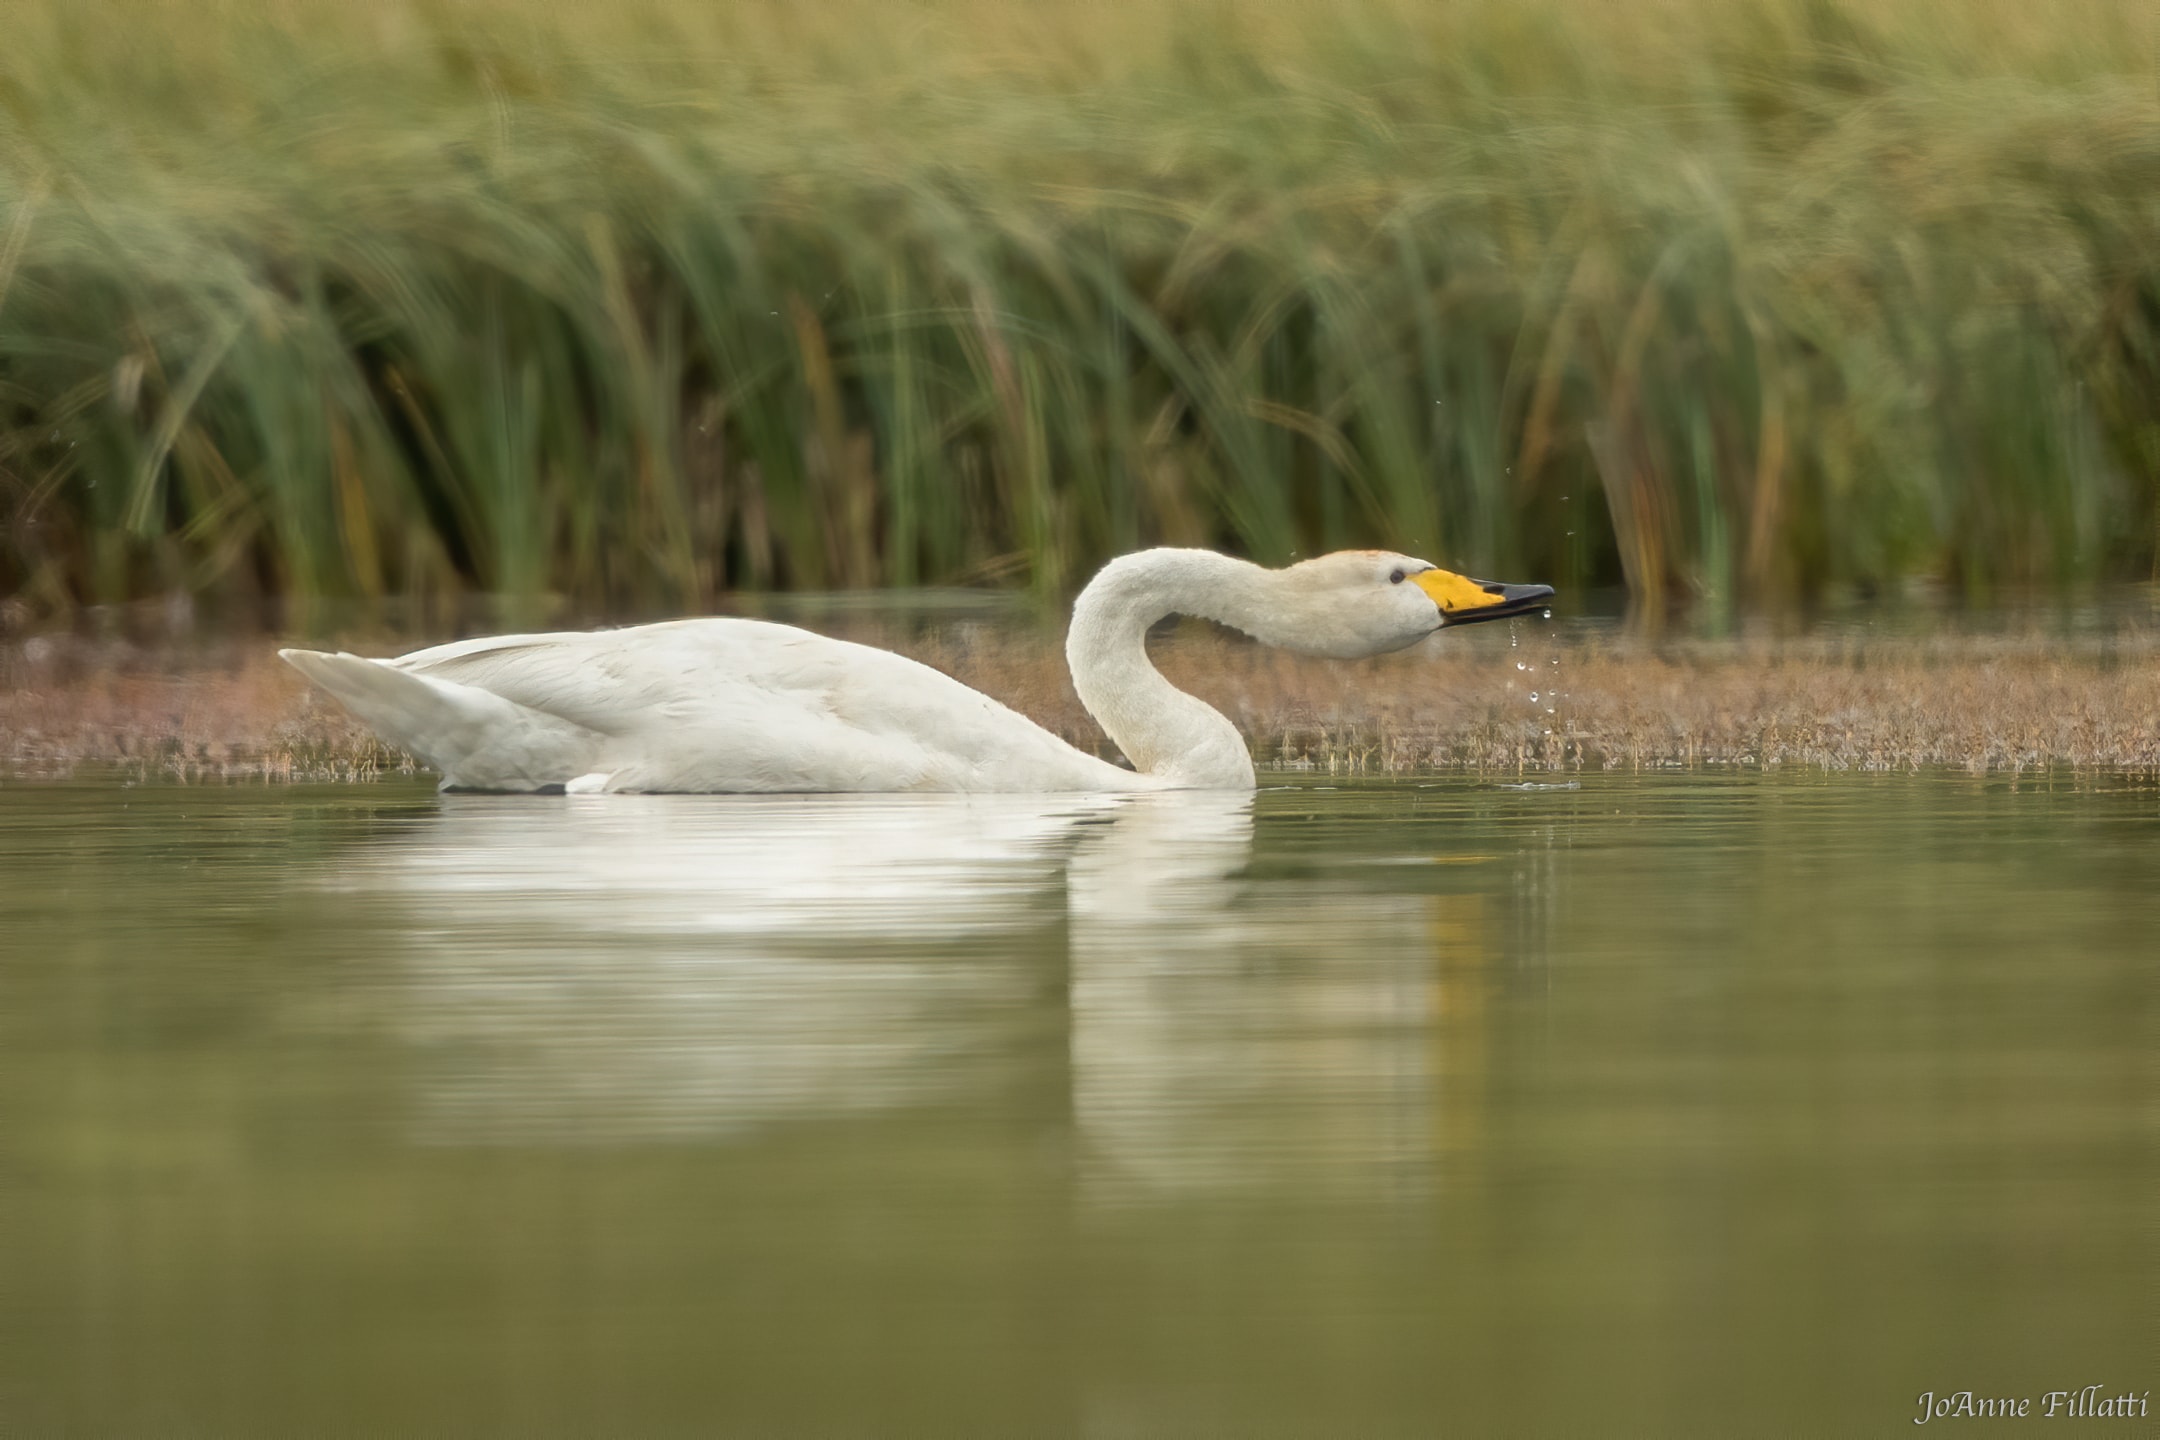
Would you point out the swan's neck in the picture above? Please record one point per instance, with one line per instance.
(1164, 731)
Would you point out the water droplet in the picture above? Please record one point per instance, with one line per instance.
(1547, 614)
(1522, 664)
(1533, 697)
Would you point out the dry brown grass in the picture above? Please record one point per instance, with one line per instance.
(1549, 703)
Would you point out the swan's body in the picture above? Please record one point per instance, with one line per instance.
(700, 705)
(750, 706)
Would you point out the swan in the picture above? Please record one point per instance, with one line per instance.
(750, 706)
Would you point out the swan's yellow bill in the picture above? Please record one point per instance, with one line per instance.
(1463, 600)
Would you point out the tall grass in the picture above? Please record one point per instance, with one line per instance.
(1728, 300)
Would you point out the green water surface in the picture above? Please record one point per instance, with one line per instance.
(1651, 1105)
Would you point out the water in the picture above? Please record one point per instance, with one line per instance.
(1669, 1105)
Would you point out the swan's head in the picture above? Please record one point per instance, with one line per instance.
(1365, 602)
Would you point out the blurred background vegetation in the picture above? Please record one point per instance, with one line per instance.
(609, 310)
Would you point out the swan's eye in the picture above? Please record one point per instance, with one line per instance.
(1396, 578)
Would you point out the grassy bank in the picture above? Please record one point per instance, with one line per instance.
(1729, 302)
(2003, 704)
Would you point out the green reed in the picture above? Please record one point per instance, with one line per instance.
(1726, 302)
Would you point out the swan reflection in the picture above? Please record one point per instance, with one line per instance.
(638, 967)
(1224, 1032)
(682, 967)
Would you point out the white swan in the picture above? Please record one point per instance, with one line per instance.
(750, 706)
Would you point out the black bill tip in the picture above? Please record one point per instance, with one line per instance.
(1512, 600)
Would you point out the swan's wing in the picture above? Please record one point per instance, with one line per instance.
(473, 736)
(604, 687)
(625, 681)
